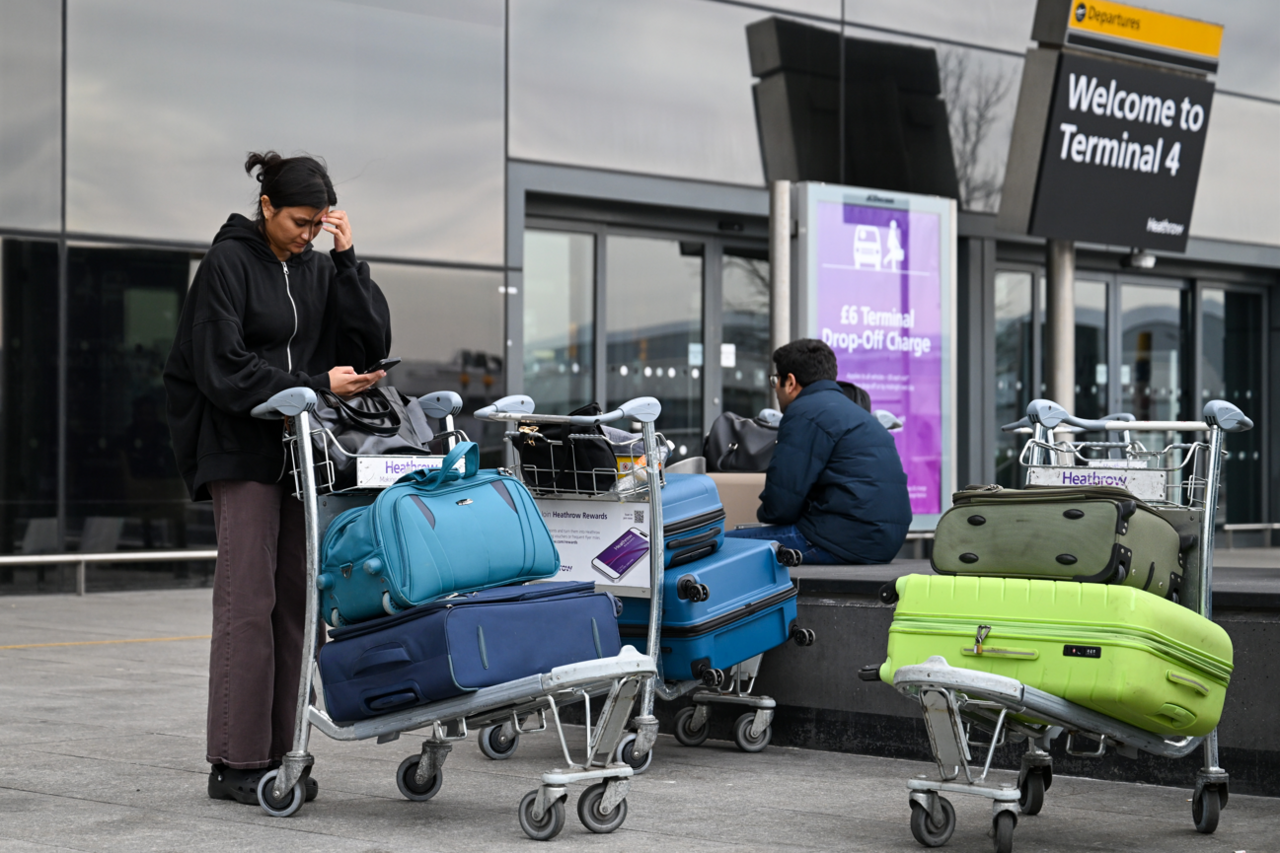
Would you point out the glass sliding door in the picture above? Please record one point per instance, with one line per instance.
(1091, 349)
(653, 303)
(744, 349)
(559, 325)
(1231, 370)
(1014, 380)
(1154, 324)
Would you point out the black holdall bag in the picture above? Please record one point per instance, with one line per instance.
(551, 460)
(379, 421)
(738, 444)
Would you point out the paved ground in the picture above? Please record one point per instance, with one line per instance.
(102, 744)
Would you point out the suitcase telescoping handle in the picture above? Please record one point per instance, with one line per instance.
(446, 473)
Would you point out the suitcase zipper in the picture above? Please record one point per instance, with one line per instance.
(690, 523)
(684, 632)
(1163, 647)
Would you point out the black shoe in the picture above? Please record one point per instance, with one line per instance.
(227, 783)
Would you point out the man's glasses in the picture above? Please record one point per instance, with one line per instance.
(773, 380)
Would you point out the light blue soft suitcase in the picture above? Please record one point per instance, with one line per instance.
(431, 534)
(749, 608)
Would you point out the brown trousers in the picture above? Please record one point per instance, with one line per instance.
(259, 605)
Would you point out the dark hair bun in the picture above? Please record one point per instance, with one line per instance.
(262, 162)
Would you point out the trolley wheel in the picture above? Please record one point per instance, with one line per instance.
(1031, 793)
(1003, 826)
(625, 754)
(742, 734)
(685, 733)
(550, 825)
(495, 746)
(292, 800)
(1205, 810)
(409, 786)
(926, 831)
(591, 816)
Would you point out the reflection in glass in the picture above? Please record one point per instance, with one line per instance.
(30, 115)
(559, 330)
(1153, 340)
(1013, 368)
(1092, 380)
(404, 100)
(448, 325)
(124, 491)
(28, 409)
(1231, 370)
(744, 351)
(650, 86)
(654, 305)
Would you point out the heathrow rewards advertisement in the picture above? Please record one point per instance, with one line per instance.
(879, 269)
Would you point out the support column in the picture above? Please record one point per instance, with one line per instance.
(779, 265)
(1060, 323)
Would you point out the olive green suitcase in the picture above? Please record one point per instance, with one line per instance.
(1094, 534)
(1114, 649)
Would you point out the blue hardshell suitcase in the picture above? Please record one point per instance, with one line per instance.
(460, 644)
(692, 518)
(750, 608)
(431, 534)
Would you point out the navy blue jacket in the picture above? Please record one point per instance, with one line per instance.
(836, 475)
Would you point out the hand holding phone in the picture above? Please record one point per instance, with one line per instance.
(385, 364)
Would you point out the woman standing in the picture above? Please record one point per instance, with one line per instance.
(264, 313)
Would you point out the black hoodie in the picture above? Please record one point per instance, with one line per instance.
(249, 330)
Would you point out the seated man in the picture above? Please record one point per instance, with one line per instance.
(835, 490)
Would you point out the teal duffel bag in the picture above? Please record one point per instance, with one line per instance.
(431, 534)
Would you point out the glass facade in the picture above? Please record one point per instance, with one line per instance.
(1015, 349)
(410, 121)
(448, 327)
(30, 115)
(421, 108)
(744, 349)
(559, 319)
(653, 302)
(1231, 337)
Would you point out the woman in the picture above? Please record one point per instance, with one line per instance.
(264, 313)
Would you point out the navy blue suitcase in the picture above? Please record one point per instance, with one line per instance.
(456, 645)
(692, 518)
(750, 607)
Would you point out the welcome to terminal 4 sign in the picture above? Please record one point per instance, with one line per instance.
(1107, 149)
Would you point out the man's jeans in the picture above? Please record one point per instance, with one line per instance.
(789, 536)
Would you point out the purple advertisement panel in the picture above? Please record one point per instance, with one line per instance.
(879, 306)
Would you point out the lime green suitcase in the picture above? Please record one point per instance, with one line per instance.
(1119, 651)
(1089, 534)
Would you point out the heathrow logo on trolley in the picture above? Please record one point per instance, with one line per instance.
(1149, 484)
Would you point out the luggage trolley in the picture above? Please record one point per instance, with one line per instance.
(602, 806)
(1181, 479)
(563, 480)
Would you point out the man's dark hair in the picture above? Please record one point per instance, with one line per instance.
(807, 359)
(291, 181)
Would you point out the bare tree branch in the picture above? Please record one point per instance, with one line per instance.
(973, 97)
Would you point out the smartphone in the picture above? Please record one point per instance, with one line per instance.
(626, 552)
(385, 364)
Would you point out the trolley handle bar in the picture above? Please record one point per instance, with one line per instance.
(520, 408)
(288, 403)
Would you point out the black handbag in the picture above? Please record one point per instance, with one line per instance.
(552, 460)
(739, 444)
(378, 421)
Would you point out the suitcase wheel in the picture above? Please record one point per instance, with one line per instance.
(802, 636)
